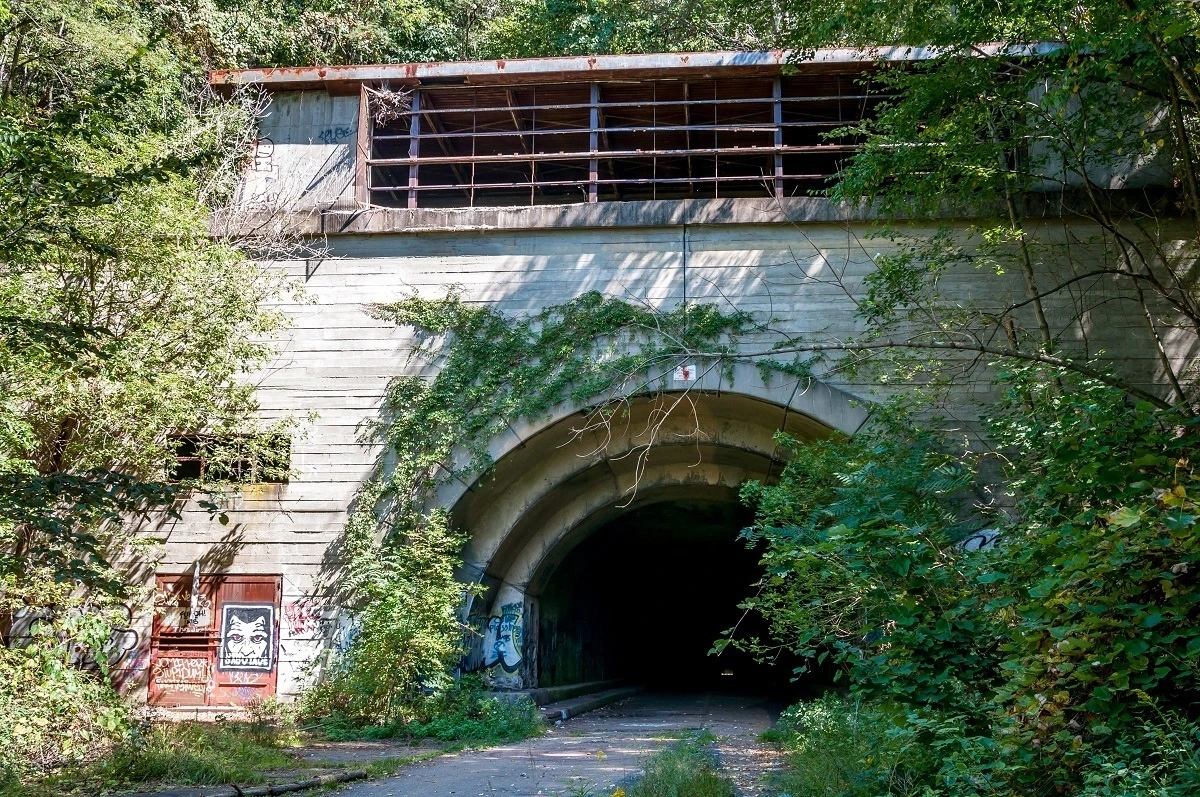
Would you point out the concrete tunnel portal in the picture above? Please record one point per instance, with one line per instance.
(643, 598)
(604, 558)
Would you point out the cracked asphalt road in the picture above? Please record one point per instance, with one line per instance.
(594, 752)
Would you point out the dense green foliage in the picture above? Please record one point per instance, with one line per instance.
(51, 712)
(463, 714)
(1030, 667)
(123, 321)
(1029, 113)
(282, 33)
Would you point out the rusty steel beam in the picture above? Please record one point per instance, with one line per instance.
(562, 131)
(579, 106)
(748, 178)
(632, 153)
(440, 138)
(362, 150)
(346, 79)
(594, 164)
(414, 149)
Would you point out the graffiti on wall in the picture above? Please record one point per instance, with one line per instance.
(503, 643)
(332, 135)
(495, 645)
(346, 631)
(264, 154)
(302, 618)
(505, 651)
(247, 636)
(121, 651)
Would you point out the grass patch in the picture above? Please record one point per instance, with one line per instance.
(465, 716)
(836, 745)
(687, 768)
(178, 754)
(200, 754)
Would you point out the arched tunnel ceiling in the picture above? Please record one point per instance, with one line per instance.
(551, 491)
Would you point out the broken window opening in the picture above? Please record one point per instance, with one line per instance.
(231, 459)
(557, 143)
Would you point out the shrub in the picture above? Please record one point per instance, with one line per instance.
(464, 713)
(408, 633)
(54, 715)
(1041, 667)
(828, 743)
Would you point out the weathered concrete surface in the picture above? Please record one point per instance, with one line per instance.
(597, 751)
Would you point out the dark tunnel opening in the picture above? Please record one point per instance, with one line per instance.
(645, 597)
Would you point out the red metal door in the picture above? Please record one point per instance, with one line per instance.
(219, 647)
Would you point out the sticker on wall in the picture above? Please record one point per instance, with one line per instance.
(685, 373)
(247, 636)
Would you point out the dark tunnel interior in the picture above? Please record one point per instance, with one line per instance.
(644, 598)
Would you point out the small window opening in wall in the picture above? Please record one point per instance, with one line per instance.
(236, 459)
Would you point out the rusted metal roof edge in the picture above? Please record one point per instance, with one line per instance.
(581, 67)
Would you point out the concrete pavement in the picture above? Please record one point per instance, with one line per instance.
(593, 753)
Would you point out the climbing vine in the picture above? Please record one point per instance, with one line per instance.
(489, 371)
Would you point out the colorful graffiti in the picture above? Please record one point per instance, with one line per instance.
(509, 637)
(495, 645)
(504, 639)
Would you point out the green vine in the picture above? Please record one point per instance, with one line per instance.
(492, 370)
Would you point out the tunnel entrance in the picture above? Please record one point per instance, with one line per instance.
(644, 597)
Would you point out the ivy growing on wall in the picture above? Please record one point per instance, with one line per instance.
(488, 371)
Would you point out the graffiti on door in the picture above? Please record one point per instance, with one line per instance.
(247, 636)
(183, 675)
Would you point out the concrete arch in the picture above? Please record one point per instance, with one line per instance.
(551, 486)
(824, 406)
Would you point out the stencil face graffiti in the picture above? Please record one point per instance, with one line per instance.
(247, 636)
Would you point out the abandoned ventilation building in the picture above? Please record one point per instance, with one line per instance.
(660, 178)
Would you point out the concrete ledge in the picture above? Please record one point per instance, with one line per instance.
(352, 220)
(344, 217)
(551, 694)
(564, 710)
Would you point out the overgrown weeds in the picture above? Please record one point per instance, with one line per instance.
(186, 753)
(835, 744)
(687, 768)
(200, 753)
(465, 714)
